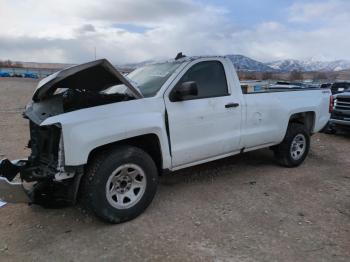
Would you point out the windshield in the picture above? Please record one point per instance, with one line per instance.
(148, 79)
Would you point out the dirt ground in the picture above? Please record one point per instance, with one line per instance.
(243, 208)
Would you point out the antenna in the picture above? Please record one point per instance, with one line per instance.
(95, 51)
(179, 56)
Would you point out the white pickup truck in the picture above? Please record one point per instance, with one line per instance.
(105, 138)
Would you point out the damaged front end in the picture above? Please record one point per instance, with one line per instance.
(12, 191)
(44, 178)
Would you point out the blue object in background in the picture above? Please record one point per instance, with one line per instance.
(4, 74)
(258, 88)
(30, 75)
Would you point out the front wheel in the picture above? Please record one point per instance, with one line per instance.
(120, 184)
(294, 147)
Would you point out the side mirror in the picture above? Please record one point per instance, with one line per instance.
(186, 89)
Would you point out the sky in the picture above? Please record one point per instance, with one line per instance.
(124, 31)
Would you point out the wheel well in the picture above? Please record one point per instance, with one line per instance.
(305, 118)
(148, 143)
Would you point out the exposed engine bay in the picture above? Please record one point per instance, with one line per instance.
(70, 100)
(89, 85)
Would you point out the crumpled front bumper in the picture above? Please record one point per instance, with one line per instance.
(12, 192)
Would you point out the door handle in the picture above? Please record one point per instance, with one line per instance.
(232, 105)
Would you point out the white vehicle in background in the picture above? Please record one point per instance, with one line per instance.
(340, 117)
(106, 138)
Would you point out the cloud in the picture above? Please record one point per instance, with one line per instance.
(138, 12)
(85, 29)
(171, 26)
(132, 31)
(321, 11)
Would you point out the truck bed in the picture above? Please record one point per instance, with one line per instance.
(274, 90)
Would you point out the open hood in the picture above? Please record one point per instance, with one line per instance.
(93, 76)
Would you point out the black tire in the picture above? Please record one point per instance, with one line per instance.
(283, 152)
(99, 170)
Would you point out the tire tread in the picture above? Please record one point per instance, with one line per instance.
(282, 151)
(95, 166)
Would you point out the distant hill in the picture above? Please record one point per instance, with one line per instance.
(33, 65)
(288, 65)
(241, 63)
(344, 74)
(244, 63)
(45, 65)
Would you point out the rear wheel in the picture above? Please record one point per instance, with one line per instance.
(294, 147)
(120, 184)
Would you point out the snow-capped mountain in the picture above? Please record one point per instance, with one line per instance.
(247, 64)
(338, 65)
(244, 63)
(286, 65)
(309, 65)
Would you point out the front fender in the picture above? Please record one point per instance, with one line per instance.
(87, 129)
(80, 140)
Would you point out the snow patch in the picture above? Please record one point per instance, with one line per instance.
(288, 65)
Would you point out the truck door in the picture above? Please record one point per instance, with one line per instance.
(206, 125)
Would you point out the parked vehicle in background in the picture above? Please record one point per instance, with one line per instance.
(254, 86)
(326, 85)
(293, 85)
(285, 83)
(340, 87)
(30, 75)
(107, 137)
(340, 118)
(4, 74)
(16, 75)
(284, 86)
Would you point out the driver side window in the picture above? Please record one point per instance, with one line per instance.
(210, 79)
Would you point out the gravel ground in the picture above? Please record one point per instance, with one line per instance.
(243, 208)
